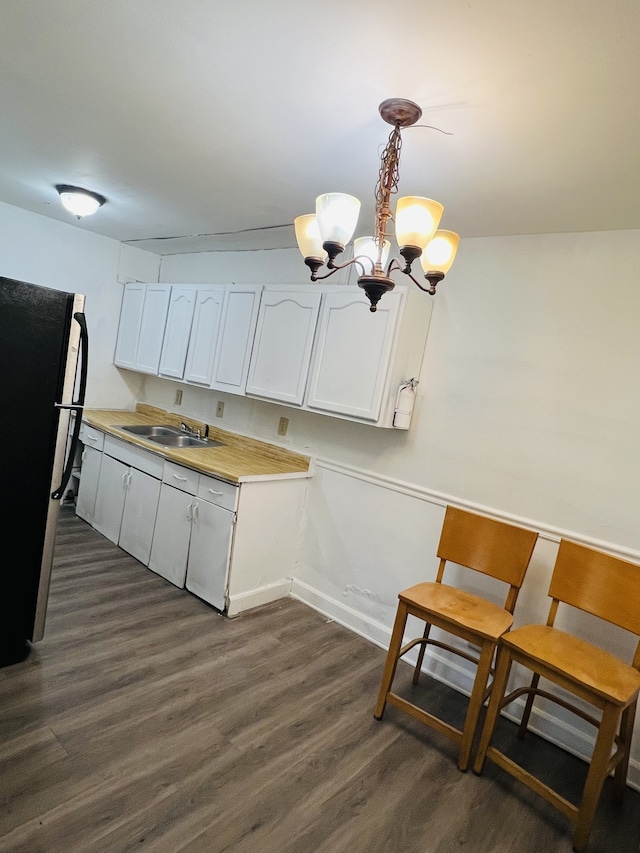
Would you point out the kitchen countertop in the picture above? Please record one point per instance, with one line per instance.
(239, 458)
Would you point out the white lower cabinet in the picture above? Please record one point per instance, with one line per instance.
(209, 552)
(91, 459)
(232, 545)
(194, 529)
(88, 488)
(127, 497)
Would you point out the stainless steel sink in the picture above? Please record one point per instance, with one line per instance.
(168, 436)
(182, 440)
(148, 430)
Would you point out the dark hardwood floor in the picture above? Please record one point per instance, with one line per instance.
(146, 721)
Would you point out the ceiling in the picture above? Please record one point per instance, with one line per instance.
(211, 124)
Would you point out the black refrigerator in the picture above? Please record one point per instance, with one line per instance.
(43, 340)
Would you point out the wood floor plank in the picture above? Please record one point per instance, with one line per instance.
(146, 721)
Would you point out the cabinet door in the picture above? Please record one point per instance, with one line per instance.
(352, 354)
(112, 485)
(129, 326)
(282, 347)
(139, 516)
(170, 546)
(240, 312)
(88, 489)
(209, 552)
(154, 316)
(177, 331)
(204, 336)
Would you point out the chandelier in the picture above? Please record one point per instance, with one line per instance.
(322, 235)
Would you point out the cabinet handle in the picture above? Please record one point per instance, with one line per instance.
(212, 492)
(124, 480)
(91, 439)
(190, 512)
(83, 455)
(182, 479)
(195, 513)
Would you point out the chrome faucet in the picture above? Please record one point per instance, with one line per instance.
(186, 428)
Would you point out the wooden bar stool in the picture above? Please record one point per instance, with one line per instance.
(606, 587)
(485, 545)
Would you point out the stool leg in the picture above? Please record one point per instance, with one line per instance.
(626, 733)
(475, 703)
(392, 659)
(423, 646)
(524, 722)
(596, 775)
(503, 668)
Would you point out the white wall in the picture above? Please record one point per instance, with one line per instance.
(53, 254)
(528, 401)
(528, 409)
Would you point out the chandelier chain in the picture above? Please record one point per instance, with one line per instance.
(387, 184)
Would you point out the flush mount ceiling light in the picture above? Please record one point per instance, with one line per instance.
(322, 235)
(78, 201)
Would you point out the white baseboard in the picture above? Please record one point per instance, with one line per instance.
(261, 595)
(574, 740)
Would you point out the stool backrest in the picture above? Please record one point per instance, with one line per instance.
(598, 583)
(492, 547)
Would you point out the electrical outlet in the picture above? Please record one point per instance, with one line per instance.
(178, 399)
(283, 425)
(220, 409)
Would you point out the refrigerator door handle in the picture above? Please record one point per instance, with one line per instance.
(77, 405)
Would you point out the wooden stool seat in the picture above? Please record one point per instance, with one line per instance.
(574, 659)
(487, 546)
(447, 605)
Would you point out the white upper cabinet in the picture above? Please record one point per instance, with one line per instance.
(177, 331)
(283, 341)
(129, 327)
(141, 330)
(204, 335)
(154, 316)
(352, 353)
(235, 340)
(352, 363)
(318, 348)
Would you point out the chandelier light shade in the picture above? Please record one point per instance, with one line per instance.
(323, 236)
(337, 215)
(78, 201)
(440, 252)
(308, 237)
(366, 247)
(416, 220)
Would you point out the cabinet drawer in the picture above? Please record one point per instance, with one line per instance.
(138, 458)
(91, 437)
(217, 492)
(180, 478)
